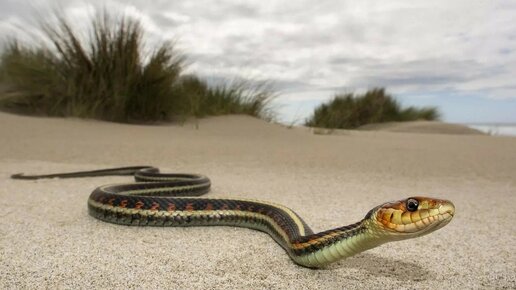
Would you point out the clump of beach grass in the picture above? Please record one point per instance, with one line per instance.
(233, 97)
(350, 111)
(109, 75)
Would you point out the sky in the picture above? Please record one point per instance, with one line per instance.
(457, 55)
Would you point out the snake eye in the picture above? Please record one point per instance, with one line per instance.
(412, 204)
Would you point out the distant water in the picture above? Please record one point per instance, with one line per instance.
(495, 129)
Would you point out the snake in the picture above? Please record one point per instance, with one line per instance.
(175, 200)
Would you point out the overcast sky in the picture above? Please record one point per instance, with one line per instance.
(457, 55)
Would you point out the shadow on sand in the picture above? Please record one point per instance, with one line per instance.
(386, 267)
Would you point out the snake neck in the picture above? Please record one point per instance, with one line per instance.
(321, 249)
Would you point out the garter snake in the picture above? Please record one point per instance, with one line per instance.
(158, 199)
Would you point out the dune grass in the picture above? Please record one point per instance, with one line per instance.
(236, 97)
(349, 111)
(109, 75)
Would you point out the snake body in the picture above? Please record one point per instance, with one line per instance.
(158, 199)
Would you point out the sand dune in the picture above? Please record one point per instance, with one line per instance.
(49, 241)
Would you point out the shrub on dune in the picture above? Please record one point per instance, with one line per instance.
(350, 111)
(109, 75)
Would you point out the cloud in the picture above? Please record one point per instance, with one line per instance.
(412, 48)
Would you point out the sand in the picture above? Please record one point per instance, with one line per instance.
(431, 127)
(49, 241)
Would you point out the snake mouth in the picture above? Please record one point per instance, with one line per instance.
(447, 209)
(433, 223)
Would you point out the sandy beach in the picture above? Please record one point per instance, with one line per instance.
(48, 240)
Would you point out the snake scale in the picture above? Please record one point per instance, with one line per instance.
(159, 199)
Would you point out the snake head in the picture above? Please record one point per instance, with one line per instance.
(411, 217)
